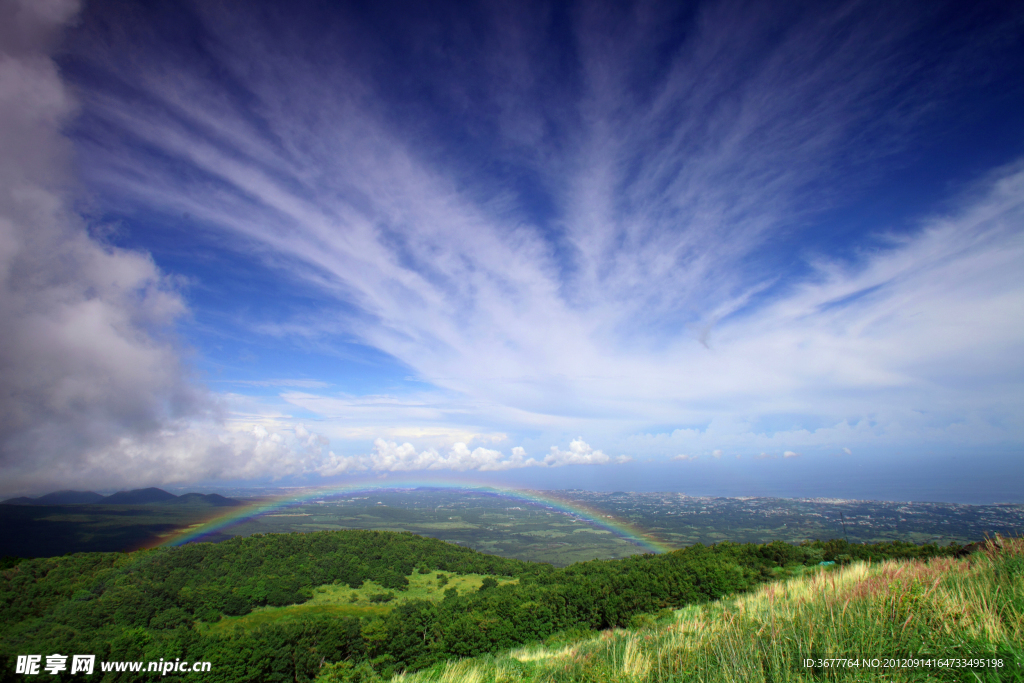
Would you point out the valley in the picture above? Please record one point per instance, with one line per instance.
(566, 527)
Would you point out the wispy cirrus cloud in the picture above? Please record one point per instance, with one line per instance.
(611, 233)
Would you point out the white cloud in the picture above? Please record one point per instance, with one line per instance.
(717, 453)
(389, 456)
(579, 453)
(188, 452)
(334, 465)
(790, 454)
(392, 457)
(847, 451)
(685, 458)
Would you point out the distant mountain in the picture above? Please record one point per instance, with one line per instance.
(211, 499)
(69, 498)
(150, 496)
(58, 498)
(138, 497)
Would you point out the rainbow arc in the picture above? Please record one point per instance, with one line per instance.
(545, 499)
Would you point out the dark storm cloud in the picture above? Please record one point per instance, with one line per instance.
(85, 361)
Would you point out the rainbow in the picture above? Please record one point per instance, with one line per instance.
(546, 499)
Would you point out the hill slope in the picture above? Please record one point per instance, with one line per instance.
(896, 621)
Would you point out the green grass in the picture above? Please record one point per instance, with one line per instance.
(942, 609)
(276, 615)
(332, 600)
(421, 587)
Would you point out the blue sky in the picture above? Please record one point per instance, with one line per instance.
(717, 247)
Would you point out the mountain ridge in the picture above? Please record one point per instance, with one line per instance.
(147, 496)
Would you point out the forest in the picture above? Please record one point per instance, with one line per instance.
(169, 602)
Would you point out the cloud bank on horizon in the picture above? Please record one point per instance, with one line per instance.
(331, 242)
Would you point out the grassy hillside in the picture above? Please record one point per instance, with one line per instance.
(940, 609)
(369, 600)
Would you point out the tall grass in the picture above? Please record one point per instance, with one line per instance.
(939, 610)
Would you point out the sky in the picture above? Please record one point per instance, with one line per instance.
(723, 248)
